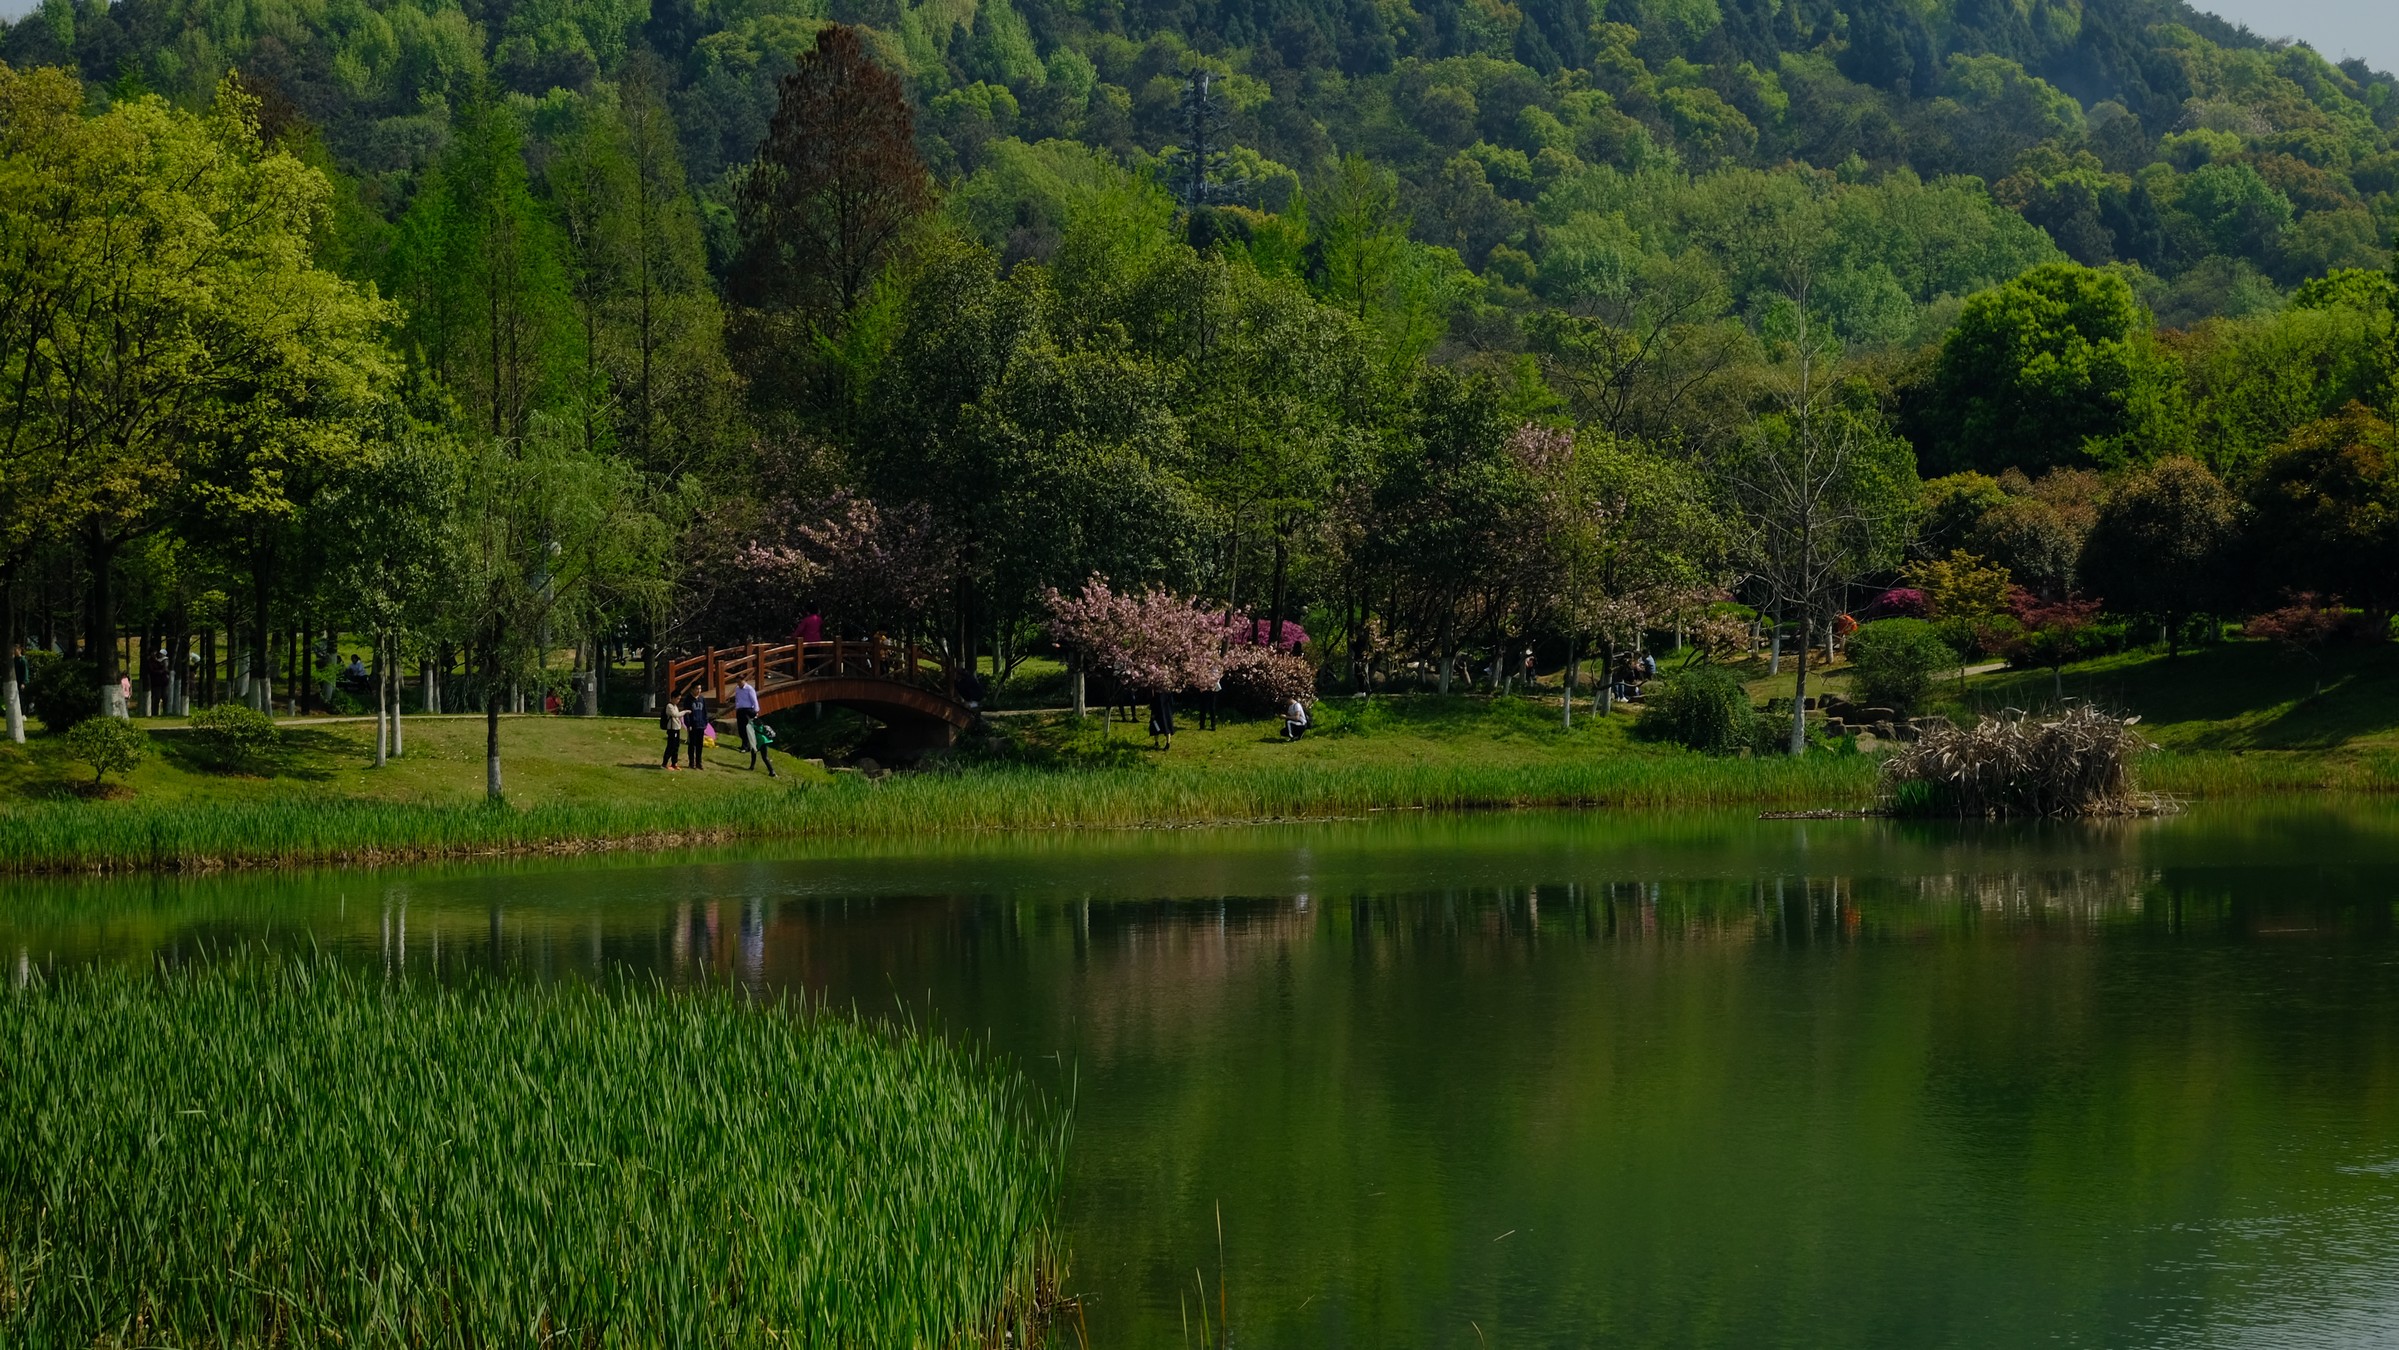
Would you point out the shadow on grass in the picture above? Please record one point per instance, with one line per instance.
(299, 754)
(2237, 696)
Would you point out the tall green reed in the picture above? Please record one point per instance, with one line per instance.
(263, 1152)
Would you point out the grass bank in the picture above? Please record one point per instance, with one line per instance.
(134, 835)
(258, 1153)
(2238, 719)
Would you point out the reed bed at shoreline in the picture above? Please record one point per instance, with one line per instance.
(257, 1152)
(303, 829)
(300, 829)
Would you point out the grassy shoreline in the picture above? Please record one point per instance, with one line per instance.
(301, 831)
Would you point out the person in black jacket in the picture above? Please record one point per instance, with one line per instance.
(695, 723)
(1162, 720)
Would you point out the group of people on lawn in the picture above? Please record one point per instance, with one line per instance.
(689, 728)
(1162, 716)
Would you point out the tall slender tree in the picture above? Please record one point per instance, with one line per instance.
(829, 200)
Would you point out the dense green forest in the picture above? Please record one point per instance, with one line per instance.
(1550, 147)
(504, 330)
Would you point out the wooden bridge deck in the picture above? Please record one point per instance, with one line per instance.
(899, 684)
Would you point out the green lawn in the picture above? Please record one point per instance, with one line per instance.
(544, 760)
(2236, 696)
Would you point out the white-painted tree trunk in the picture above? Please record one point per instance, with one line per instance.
(16, 711)
(382, 722)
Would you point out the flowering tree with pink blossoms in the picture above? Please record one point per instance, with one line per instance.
(1149, 642)
(864, 566)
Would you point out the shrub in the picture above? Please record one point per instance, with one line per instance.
(2076, 764)
(233, 735)
(1895, 661)
(60, 691)
(109, 745)
(1263, 681)
(1901, 602)
(1704, 708)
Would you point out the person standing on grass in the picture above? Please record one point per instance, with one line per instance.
(695, 723)
(1162, 720)
(745, 716)
(672, 720)
(1208, 699)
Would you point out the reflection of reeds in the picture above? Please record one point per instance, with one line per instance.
(258, 1153)
(2079, 763)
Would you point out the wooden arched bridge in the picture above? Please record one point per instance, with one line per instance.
(906, 688)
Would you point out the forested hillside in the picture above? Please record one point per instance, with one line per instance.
(1545, 144)
(1439, 327)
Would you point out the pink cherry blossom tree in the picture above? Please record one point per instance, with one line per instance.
(1149, 642)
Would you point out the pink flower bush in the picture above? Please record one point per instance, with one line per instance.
(1901, 602)
(1264, 680)
(1241, 630)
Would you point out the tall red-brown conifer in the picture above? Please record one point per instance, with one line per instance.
(836, 184)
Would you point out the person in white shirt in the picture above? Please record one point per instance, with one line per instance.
(745, 711)
(1295, 720)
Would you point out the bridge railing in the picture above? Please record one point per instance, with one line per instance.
(719, 670)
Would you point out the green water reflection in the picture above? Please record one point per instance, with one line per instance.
(1568, 1080)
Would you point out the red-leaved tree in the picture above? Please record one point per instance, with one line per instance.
(2049, 633)
(2305, 626)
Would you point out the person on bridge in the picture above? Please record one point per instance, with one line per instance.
(672, 720)
(745, 715)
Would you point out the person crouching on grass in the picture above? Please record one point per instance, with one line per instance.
(1295, 720)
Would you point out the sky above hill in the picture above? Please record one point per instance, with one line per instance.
(2337, 28)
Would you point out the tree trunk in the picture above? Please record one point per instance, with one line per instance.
(383, 726)
(1081, 707)
(262, 687)
(1282, 572)
(399, 681)
(1573, 649)
(1799, 699)
(101, 636)
(491, 734)
(14, 697)
(1607, 679)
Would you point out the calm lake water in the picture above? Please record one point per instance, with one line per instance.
(1571, 1080)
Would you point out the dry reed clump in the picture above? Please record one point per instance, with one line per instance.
(2079, 763)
